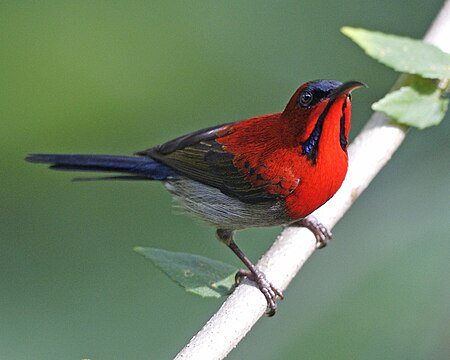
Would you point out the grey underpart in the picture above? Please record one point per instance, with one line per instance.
(223, 211)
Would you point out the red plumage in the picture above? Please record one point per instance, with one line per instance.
(269, 170)
(268, 149)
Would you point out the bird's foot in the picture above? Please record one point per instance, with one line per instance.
(322, 234)
(269, 291)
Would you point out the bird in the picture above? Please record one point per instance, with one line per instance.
(268, 170)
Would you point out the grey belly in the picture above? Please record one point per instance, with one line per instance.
(223, 211)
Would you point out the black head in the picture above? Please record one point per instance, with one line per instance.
(316, 91)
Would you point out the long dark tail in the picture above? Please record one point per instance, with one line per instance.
(138, 167)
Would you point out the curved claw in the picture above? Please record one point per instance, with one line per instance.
(322, 234)
(270, 292)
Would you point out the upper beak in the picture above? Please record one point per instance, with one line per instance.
(346, 88)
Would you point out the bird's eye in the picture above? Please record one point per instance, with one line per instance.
(305, 98)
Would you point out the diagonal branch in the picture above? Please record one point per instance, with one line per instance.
(368, 153)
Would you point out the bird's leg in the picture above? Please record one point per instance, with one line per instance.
(322, 234)
(269, 291)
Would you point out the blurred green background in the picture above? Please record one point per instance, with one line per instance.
(119, 76)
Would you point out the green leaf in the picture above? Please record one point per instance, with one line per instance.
(197, 274)
(419, 104)
(402, 53)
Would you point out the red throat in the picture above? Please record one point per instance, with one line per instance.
(324, 173)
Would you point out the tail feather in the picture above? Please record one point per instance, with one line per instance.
(119, 177)
(138, 166)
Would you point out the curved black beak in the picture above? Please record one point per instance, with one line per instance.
(346, 88)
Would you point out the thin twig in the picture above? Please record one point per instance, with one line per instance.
(368, 153)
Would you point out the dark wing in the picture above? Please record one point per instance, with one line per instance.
(199, 157)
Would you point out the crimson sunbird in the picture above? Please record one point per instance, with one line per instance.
(268, 170)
